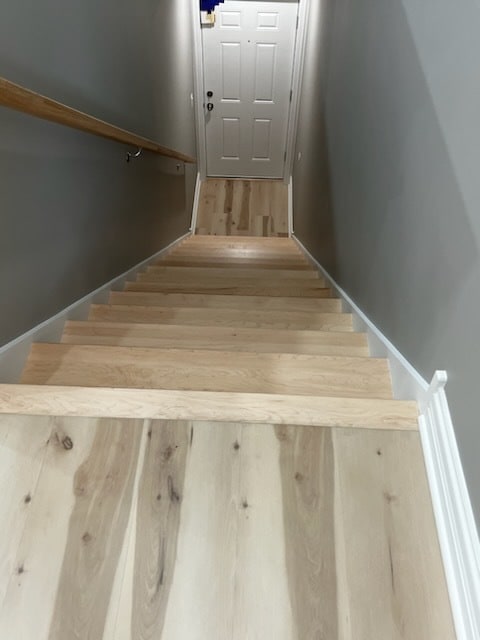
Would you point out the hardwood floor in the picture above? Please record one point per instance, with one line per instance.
(243, 208)
(131, 530)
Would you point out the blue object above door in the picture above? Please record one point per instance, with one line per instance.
(209, 5)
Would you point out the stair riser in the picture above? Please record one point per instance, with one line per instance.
(232, 264)
(227, 288)
(215, 338)
(227, 318)
(240, 303)
(215, 371)
(202, 273)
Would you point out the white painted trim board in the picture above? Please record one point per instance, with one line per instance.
(457, 532)
(13, 355)
(196, 201)
(198, 90)
(297, 78)
(290, 208)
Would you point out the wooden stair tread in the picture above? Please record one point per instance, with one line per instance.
(199, 370)
(232, 263)
(224, 317)
(202, 405)
(216, 338)
(249, 253)
(159, 299)
(201, 273)
(238, 240)
(307, 289)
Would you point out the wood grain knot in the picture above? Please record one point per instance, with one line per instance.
(172, 493)
(67, 443)
(27, 499)
(389, 497)
(236, 446)
(167, 454)
(87, 537)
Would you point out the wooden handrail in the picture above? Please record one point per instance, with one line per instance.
(16, 97)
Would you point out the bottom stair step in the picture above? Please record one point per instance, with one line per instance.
(202, 405)
(199, 370)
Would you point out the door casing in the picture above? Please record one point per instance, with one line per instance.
(299, 55)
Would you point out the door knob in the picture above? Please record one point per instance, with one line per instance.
(209, 94)
(210, 106)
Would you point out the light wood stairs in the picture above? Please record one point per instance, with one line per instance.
(227, 328)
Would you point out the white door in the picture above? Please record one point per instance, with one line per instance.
(248, 62)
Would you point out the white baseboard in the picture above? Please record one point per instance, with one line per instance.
(457, 532)
(290, 207)
(456, 527)
(196, 201)
(14, 354)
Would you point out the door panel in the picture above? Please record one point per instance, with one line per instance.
(261, 139)
(231, 65)
(231, 138)
(248, 61)
(265, 72)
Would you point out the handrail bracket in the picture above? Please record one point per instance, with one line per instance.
(131, 155)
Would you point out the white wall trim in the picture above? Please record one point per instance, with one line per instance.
(297, 76)
(198, 90)
(14, 354)
(196, 200)
(290, 207)
(457, 532)
(456, 527)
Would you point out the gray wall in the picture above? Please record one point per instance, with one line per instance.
(311, 173)
(73, 213)
(400, 105)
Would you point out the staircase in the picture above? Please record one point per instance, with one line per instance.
(248, 323)
(214, 454)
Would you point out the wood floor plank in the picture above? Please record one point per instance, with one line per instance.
(307, 479)
(23, 446)
(263, 606)
(252, 287)
(161, 494)
(196, 405)
(67, 556)
(390, 577)
(233, 206)
(269, 319)
(208, 538)
(192, 300)
(215, 338)
(198, 370)
(240, 531)
(186, 273)
(121, 600)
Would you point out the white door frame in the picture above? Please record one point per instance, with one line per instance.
(198, 79)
